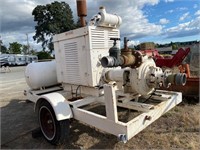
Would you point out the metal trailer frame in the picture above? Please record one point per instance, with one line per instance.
(110, 123)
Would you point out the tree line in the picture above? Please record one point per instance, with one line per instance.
(16, 48)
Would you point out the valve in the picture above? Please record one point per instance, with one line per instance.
(113, 60)
(126, 44)
(115, 39)
(114, 51)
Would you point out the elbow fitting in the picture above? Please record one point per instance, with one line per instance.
(128, 60)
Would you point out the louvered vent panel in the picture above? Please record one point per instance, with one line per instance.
(72, 73)
(97, 39)
(112, 34)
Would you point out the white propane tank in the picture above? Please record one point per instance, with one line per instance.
(41, 74)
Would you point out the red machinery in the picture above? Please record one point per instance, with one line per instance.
(174, 61)
(168, 62)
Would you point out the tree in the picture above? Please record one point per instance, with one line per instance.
(15, 48)
(3, 49)
(174, 46)
(43, 55)
(32, 52)
(25, 49)
(52, 19)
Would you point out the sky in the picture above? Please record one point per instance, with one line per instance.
(159, 21)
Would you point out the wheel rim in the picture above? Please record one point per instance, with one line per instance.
(47, 123)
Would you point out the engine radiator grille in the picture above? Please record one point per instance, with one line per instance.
(97, 39)
(101, 38)
(72, 73)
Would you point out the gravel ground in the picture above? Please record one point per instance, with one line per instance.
(178, 129)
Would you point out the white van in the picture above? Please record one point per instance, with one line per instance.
(20, 60)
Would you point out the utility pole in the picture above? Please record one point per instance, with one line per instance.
(27, 43)
(0, 44)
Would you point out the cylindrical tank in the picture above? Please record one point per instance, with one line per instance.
(41, 74)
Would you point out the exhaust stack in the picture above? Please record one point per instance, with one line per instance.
(82, 11)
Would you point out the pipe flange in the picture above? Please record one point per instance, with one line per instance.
(138, 59)
(167, 72)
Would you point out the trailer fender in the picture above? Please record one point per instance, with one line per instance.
(59, 104)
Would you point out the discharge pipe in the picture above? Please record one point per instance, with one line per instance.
(124, 58)
(177, 79)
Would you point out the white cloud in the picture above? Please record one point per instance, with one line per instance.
(169, 1)
(181, 8)
(197, 13)
(21, 38)
(184, 16)
(170, 11)
(178, 9)
(13, 11)
(164, 21)
(16, 19)
(184, 29)
(135, 23)
(195, 6)
(133, 43)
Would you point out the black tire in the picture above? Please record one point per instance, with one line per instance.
(55, 132)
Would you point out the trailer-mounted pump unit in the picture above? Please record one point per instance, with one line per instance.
(90, 70)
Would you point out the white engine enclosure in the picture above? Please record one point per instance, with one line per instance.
(78, 53)
(41, 74)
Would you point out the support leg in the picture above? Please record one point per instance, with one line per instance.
(110, 102)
